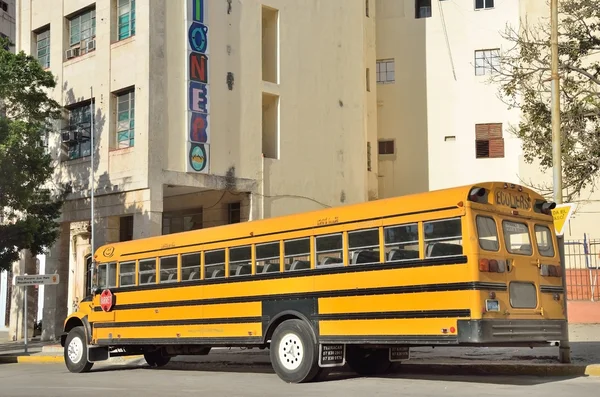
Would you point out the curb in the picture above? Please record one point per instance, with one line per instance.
(59, 359)
(31, 359)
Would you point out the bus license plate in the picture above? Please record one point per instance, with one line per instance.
(492, 305)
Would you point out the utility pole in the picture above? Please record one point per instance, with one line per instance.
(564, 351)
(90, 271)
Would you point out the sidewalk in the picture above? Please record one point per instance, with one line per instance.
(584, 338)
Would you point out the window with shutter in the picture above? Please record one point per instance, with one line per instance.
(489, 142)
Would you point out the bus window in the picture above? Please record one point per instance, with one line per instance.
(111, 275)
(329, 250)
(190, 267)
(443, 238)
(214, 264)
(126, 274)
(297, 254)
(101, 276)
(147, 272)
(516, 237)
(401, 242)
(168, 269)
(240, 261)
(363, 246)
(487, 233)
(543, 238)
(267, 257)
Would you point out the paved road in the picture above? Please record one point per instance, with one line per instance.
(49, 380)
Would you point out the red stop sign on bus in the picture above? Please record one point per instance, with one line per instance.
(106, 300)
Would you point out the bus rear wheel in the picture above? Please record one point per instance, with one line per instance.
(294, 353)
(368, 362)
(156, 358)
(75, 351)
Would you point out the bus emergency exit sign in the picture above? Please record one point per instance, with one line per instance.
(561, 214)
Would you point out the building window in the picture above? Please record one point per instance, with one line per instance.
(125, 119)
(126, 18)
(386, 71)
(386, 147)
(367, 8)
(43, 47)
(422, 8)
(82, 31)
(483, 4)
(234, 211)
(369, 168)
(182, 221)
(4, 6)
(270, 44)
(126, 228)
(487, 61)
(489, 142)
(270, 126)
(78, 133)
(368, 78)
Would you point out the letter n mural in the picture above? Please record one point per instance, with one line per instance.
(198, 89)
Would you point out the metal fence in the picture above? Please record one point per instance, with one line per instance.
(582, 263)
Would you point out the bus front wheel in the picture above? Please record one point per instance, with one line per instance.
(294, 353)
(75, 352)
(367, 362)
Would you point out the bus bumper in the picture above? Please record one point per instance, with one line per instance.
(491, 332)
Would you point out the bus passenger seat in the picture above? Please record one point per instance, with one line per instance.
(243, 269)
(300, 265)
(444, 249)
(398, 254)
(218, 273)
(365, 256)
(271, 267)
(193, 276)
(329, 260)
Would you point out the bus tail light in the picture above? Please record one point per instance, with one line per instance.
(550, 271)
(492, 265)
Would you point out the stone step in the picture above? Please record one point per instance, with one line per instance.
(52, 349)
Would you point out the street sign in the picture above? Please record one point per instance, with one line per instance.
(35, 279)
(561, 214)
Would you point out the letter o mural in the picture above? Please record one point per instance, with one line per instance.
(198, 37)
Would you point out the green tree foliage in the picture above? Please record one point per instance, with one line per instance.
(524, 77)
(30, 209)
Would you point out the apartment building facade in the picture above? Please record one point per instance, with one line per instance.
(203, 113)
(440, 121)
(7, 30)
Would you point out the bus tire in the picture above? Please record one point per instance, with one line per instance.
(156, 358)
(367, 362)
(294, 353)
(75, 351)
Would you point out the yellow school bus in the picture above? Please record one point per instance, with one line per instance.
(360, 284)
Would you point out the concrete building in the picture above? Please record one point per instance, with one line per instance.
(205, 113)
(7, 30)
(440, 122)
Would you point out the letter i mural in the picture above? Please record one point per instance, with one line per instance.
(197, 88)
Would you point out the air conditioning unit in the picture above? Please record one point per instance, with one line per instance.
(72, 53)
(90, 45)
(69, 136)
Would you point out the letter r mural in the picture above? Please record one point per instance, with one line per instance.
(199, 128)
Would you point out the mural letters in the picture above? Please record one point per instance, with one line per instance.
(198, 88)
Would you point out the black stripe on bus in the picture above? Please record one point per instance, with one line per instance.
(193, 321)
(465, 286)
(549, 289)
(409, 264)
(392, 339)
(395, 315)
(293, 230)
(320, 317)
